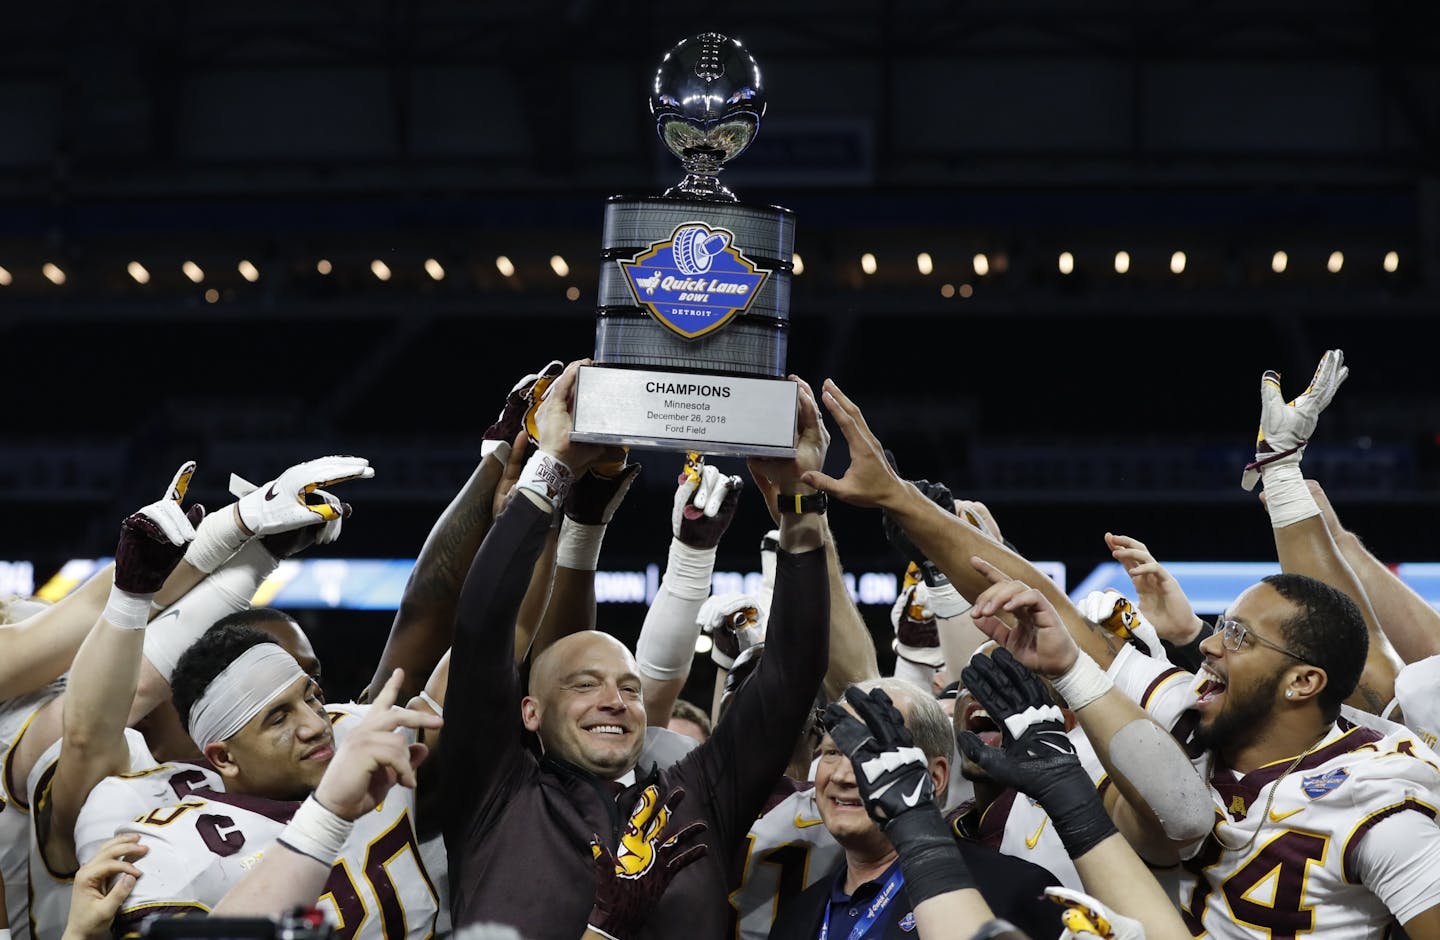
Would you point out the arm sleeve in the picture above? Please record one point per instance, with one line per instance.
(483, 698)
(750, 747)
(226, 591)
(667, 638)
(1395, 859)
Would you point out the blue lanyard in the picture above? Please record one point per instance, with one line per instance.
(876, 908)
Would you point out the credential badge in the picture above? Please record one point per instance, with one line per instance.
(695, 281)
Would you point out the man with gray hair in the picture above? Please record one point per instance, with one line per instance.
(867, 890)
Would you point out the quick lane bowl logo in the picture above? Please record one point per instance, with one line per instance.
(695, 281)
(1321, 784)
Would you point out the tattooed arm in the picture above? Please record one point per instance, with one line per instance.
(425, 621)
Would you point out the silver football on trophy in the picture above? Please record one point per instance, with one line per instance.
(707, 101)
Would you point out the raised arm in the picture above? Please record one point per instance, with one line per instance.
(740, 765)
(1302, 541)
(852, 648)
(589, 507)
(425, 621)
(944, 538)
(107, 667)
(486, 695)
(701, 512)
(1407, 619)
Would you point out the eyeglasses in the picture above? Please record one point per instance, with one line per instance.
(1233, 634)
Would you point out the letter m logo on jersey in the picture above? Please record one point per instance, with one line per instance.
(695, 281)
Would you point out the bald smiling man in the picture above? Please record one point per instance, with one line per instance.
(530, 780)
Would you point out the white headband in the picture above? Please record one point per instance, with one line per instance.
(252, 681)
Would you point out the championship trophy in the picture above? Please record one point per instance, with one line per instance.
(693, 315)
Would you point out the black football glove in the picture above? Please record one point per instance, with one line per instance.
(893, 776)
(1036, 756)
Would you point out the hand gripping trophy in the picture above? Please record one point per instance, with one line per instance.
(694, 302)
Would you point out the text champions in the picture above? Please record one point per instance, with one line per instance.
(679, 388)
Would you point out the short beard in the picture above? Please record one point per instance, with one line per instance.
(1241, 718)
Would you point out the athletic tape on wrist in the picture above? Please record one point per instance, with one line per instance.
(946, 602)
(500, 450)
(435, 706)
(547, 475)
(1287, 498)
(688, 570)
(317, 832)
(217, 539)
(579, 545)
(127, 611)
(4, 933)
(1083, 683)
(607, 936)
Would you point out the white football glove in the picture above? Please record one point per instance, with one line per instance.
(280, 505)
(734, 623)
(1286, 428)
(700, 514)
(329, 530)
(1085, 918)
(1114, 612)
(917, 637)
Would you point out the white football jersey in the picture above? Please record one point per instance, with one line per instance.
(49, 891)
(204, 843)
(15, 717)
(1347, 844)
(1165, 691)
(787, 850)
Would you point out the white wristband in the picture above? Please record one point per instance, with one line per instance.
(547, 475)
(500, 450)
(317, 832)
(127, 611)
(579, 545)
(4, 933)
(1287, 498)
(946, 602)
(217, 539)
(1083, 683)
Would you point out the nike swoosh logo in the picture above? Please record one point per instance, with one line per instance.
(1032, 841)
(271, 493)
(1276, 817)
(803, 823)
(914, 797)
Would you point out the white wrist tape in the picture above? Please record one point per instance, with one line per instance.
(217, 538)
(316, 832)
(547, 475)
(435, 706)
(946, 602)
(1287, 498)
(688, 570)
(4, 933)
(127, 611)
(1083, 683)
(579, 545)
(500, 450)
